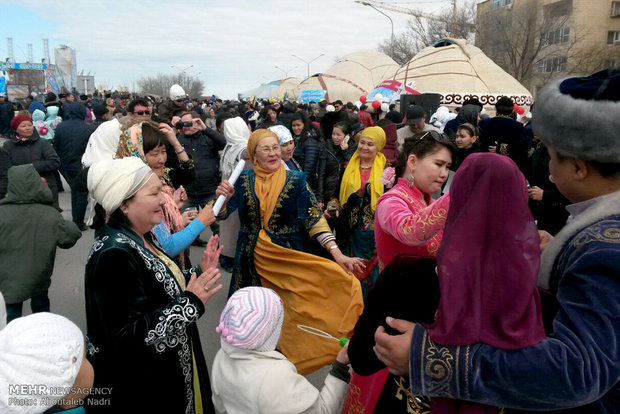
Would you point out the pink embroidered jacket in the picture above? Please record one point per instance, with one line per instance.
(407, 221)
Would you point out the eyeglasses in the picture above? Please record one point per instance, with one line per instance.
(142, 113)
(268, 150)
(179, 100)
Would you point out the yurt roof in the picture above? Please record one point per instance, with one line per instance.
(459, 71)
(262, 92)
(353, 75)
(288, 87)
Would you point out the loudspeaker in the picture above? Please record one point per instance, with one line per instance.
(429, 101)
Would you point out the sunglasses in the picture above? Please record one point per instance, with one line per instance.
(180, 100)
(436, 136)
(142, 112)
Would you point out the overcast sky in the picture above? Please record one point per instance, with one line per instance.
(233, 45)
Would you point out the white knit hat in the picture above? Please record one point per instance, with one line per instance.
(177, 92)
(284, 135)
(252, 319)
(40, 357)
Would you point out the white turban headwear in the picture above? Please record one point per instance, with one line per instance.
(111, 182)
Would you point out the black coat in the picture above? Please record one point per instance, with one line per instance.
(307, 153)
(203, 148)
(5, 164)
(408, 288)
(141, 328)
(72, 136)
(7, 111)
(508, 136)
(550, 212)
(38, 152)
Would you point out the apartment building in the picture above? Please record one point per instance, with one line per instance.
(536, 40)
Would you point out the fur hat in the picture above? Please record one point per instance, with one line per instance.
(578, 117)
(42, 351)
(252, 319)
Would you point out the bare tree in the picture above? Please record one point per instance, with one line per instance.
(404, 47)
(160, 84)
(534, 44)
(422, 31)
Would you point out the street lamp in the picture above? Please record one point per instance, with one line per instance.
(285, 71)
(364, 3)
(181, 70)
(308, 62)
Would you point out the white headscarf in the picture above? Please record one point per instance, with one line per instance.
(284, 135)
(114, 181)
(237, 135)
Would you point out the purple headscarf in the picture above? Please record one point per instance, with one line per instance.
(488, 259)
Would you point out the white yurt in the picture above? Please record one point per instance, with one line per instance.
(288, 90)
(262, 92)
(459, 71)
(352, 76)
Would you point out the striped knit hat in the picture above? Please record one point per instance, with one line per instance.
(252, 319)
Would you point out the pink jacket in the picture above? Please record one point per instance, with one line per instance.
(407, 221)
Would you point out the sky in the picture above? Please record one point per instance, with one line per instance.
(232, 45)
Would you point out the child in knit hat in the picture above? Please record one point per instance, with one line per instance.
(43, 366)
(250, 376)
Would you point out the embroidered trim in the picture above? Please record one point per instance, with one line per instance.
(154, 264)
(91, 349)
(439, 368)
(415, 404)
(597, 233)
(172, 325)
(97, 245)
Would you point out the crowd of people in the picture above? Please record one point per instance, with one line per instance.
(458, 262)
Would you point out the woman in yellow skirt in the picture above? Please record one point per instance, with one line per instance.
(278, 214)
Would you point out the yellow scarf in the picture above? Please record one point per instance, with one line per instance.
(268, 186)
(352, 180)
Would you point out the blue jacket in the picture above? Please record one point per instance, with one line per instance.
(578, 364)
(72, 136)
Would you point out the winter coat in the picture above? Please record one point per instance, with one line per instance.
(203, 148)
(333, 163)
(508, 136)
(307, 153)
(72, 137)
(52, 119)
(550, 212)
(169, 108)
(7, 111)
(5, 164)
(38, 121)
(38, 152)
(141, 327)
(247, 381)
(365, 118)
(31, 230)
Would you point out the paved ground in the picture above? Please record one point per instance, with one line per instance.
(67, 290)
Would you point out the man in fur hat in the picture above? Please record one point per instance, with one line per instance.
(577, 367)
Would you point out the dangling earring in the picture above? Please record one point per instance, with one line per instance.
(410, 180)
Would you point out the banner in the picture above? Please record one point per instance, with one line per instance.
(22, 66)
(312, 95)
(2, 86)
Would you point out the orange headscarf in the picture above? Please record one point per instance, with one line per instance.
(269, 184)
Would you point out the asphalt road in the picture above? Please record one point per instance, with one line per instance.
(67, 290)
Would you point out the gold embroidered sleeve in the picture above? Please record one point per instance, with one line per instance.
(321, 226)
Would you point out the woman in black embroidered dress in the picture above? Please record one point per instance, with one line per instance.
(141, 308)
